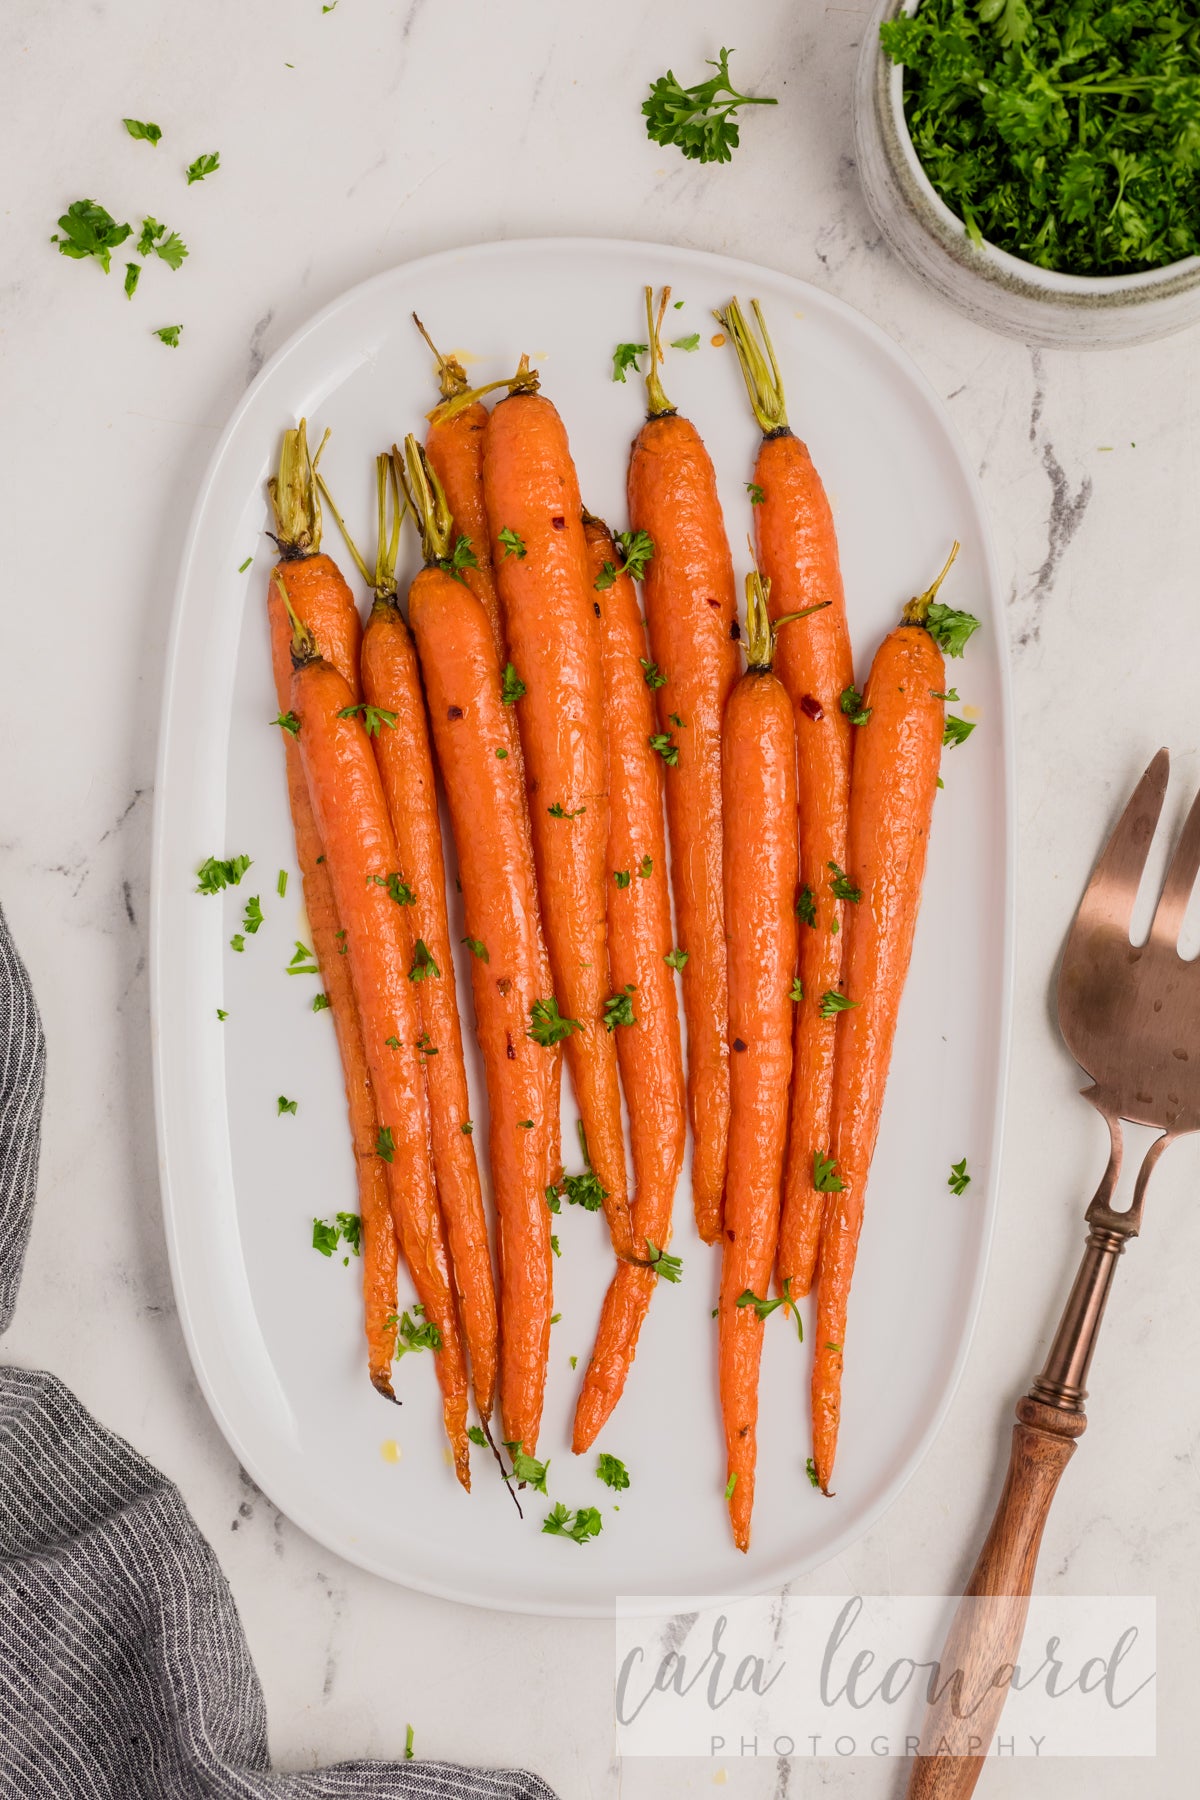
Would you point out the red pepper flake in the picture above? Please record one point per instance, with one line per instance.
(454, 712)
(558, 522)
(714, 603)
(735, 632)
(810, 706)
(738, 1044)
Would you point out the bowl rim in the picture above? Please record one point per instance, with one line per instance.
(1002, 262)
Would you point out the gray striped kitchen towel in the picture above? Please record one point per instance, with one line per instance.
(123, 1668)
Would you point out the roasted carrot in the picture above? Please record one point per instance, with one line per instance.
(398, 727)
(891, 805)
(483, 790)
(798, 554)
(326, 604)
(691, 613)
(639, 944)
(454, 446)
(360, 853)
(550, 620)
(758, 745)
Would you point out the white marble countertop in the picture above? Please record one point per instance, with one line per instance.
(350, 141)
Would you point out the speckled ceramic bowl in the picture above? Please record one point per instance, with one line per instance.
(1040, 306)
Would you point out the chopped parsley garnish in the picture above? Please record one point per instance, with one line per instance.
(690, 342)
(612, 1471)
(385, 1146)
(398, 889)
(374, 717)
(675, 959)
(242, 567)
(796, 991)
(425, 1044)
(574, 1361)
(699, 120)
(477, 1437)
(675, 720)
(169, 335)
(320, 1002)
(467, 1127)
(512, 688)
(950, 694)
(582, 1190)
(281, 881)
(950, 629)
(606, 577)
(284, 1105)
(667, 748)
(350, 1226)
(755, 492)
(653, 675)
(851, 703)
(806, 906)
(303, 961)
(527, 1468)
(222, 1014)
(956, 731)
(553, 1203)
(832, 1003)
(218, 872)
(513, 544)
(89, 230)
(325, 1237)
(462, 557)
(618, 1008)
(645, 868)
(559, 811)
(237, 942)
(669, 1267)
(810, 1469)
(409, 1752)
(143, 129)
(150, 234)
(423, 964)
(502, 755)
(841, 887)
(730, 1485)
(826, 1179)
(1065, 135)
(555, 1247)
(764, 1308)
(547, 1025)
(203, 165)
(286, 721)
(959, 1181)
(579, 1526)
(477, 947)
(524, 1124)
(411, 1336)
(637, 548)
(622, 877)
(625, 357)
(172, 250)
(133, 274)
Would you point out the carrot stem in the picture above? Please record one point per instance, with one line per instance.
(425, 495)
(657, 403)
(760, 371)
(304, 644)
(917, 610)
(295, 499)
(452, 377)
(525, 381)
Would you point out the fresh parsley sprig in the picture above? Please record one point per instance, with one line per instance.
(699, 120)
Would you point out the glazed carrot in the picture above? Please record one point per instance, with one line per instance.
(891, 804)
(758, 747)
(550, 619)
(483, 790)
(399, 730)
(691, 613)
(327, 606)
(351, 814)
(639, 943)
(454, 446)
(798, 554)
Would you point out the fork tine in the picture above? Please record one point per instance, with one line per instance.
(1179, 882)
(1109, 896)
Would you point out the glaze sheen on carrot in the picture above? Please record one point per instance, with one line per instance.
(351, 814)
(760, 864)
(391, 681)
(500, 903)
(326, 604)
(639, 941)
(552, 628)
(691, 615)
(798, 554)
(891, 806)
(454, 446)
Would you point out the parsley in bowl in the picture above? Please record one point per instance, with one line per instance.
(1048, 155)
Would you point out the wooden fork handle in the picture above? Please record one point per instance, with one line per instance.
(985, 1635)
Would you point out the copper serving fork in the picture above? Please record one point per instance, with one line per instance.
(1131, 1018)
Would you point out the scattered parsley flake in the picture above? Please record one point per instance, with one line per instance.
(411, 1336)
(796, 991)
(324, 1237)
(514, 544)
(667, 748)
(512, 688)
(579, 1526)
(88, 230)
(841, 887)
(547, 1025)
(284, 1105)
(477, 1437)
(221, 1014)
(832, 1003)
(133, 274)
(281, 881)
(203, 166)
(618, 1008)
(555, 1248)
(527, 1469)
(303, 961)
(242, 567)
(730, 1485)
(286, 721)
(143, 129)
(217, 872)
(583, 1190)
(169, 335)
(851, 702)
(810, 1469)
(806, 906)
(423, 964)
(477, 947)
(612, 1471)
(467, 1127)
(625, 357)
(826, 1180)
(654, 678)
(956, 731)
(462, 557)
(150, 233)
(675, 959)
(690, 342)
(237, 942)
(559, 811)
(320, 1002)
(645, 868)
(385, 1146)
(669, 1267)
(172, 250)
(622, 877)
(253, 916)
(958, 1181)
(374, 717)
